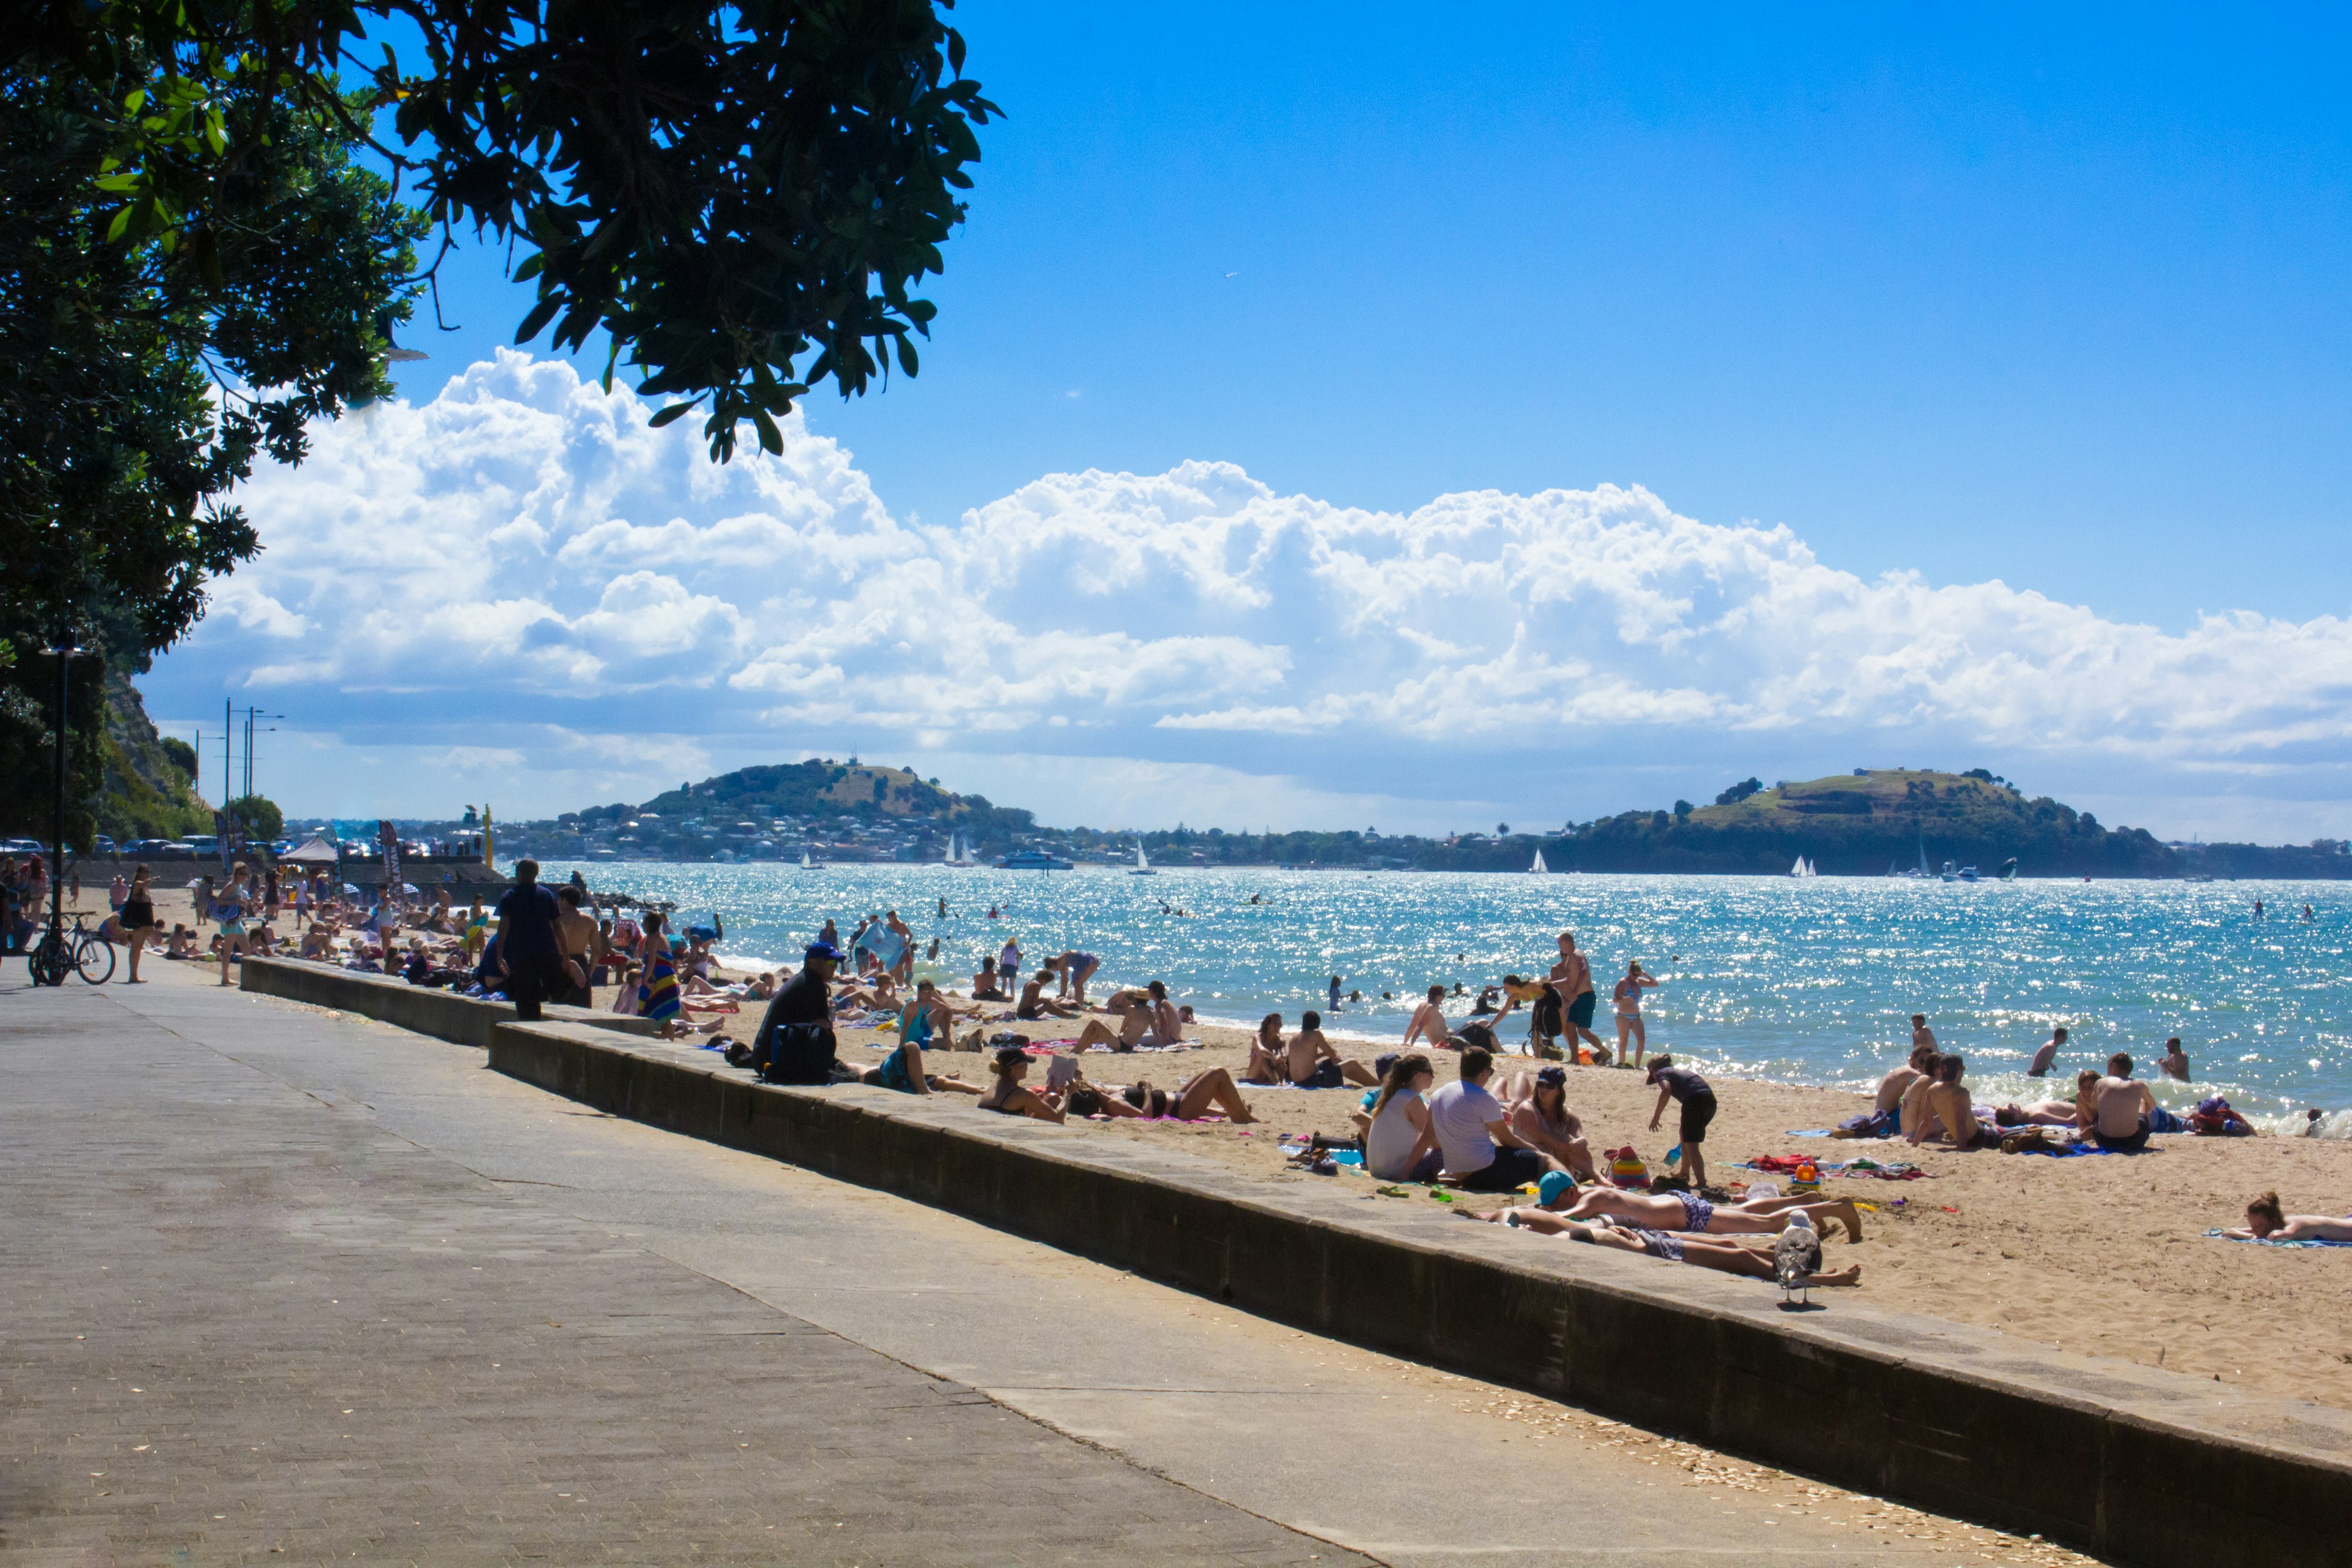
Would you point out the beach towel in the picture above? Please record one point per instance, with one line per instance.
(2266, 1241)
(1809, 1133)
(2069, 1151)
(657, 991)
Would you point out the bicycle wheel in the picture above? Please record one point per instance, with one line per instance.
(51, 960)
(95, 958)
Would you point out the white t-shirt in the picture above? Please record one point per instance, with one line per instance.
(1389, 1144)
(1461, 1112)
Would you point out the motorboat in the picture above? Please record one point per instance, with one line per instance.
(1033, 860)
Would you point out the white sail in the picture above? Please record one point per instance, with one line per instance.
(1539, 868)
(1799, 868)
(1142, 863)
(1810, 869)
(805, 865)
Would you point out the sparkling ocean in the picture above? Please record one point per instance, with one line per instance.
(1801, 981)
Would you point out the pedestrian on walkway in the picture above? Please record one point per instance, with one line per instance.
(527, 942)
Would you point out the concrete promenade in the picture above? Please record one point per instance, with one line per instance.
(280, 1285)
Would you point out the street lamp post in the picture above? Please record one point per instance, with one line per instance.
(53, 946)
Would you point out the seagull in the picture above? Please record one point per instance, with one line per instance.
(1797, 1256)
(1229, 275)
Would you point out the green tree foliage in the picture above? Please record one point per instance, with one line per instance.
(180, 754)
(258, 815)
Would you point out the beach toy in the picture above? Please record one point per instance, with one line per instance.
(1674, 1157)
(1440, 1194)
(1625, 1168)
(1391, 1192)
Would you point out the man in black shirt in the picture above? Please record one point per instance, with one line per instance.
(805, 998)
(526, 944)
(1697, 1098)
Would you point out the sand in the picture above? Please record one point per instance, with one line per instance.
(2102, 1256)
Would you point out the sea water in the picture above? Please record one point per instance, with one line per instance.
(1809, 981)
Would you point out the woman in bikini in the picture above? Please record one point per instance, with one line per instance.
(1541, 1119)
(1008, 1096)
(902, 1069)
(1268, 1053)
(1213, 1089)
(1628, 997)
(228, 912)
(2267, 1220)
(137, 920)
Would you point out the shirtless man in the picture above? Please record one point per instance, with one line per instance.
(1571, 977)
(1920, 1034)
(1036, 1005)
(1948, 1098)
(2039, 1113)
(1884, 1120)
(2174, 1063)
(1152, 1021)
(2119, 1108)
(1689, 1212)
(1916, 1115)
(2048, 1055)
(1429, 1023)
(2267, 1220)
(1311, 1063)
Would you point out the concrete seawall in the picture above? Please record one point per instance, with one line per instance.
(2138, 1466)
(444, 1015)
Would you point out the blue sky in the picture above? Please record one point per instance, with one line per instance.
(2052, 306)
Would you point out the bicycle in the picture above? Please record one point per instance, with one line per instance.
(80, 950)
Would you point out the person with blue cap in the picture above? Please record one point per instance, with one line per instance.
(802, 1011)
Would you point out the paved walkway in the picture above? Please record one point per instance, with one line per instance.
(280, 1285)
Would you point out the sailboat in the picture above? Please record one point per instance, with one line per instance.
(959, 860)
(1142, 864)
(806, 864)
(1539, 868)
(2008, 869)
(1803, 867)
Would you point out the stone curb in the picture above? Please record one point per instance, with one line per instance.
(444, 1015)
(2141, 1466)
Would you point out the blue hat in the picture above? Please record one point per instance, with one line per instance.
(1554, 1183)
(822, 950)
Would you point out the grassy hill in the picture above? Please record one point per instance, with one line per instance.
(1859, 824)
(826, 788)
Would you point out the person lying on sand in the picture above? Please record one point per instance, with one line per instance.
(1213, 1089)
(2039, 1113)
(2267, 1220)
(1689, 1212)
(1007, 1095)
(1725, 1256)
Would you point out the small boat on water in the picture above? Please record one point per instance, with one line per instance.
(959, 860)
(1142, 863)
(1803, 867)
(2008, 869)
(806, 864)
(1033, 860)
(1539, 868)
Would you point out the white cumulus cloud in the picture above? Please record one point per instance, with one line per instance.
(523, 550)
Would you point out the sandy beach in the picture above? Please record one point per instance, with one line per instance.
(2102, 1256)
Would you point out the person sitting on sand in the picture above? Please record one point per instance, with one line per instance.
(1210, 1089)
(983, 985)
(1428, 1023)
(1955, 1112)
(1540, 1116)
(1696, 1098)
(1153, 1023)
(903, 1070)
(1267, 1052)
(1687, 1212)
(181, 943)
(2119, 1108)
(1035, 1005)
(2267, 1220)
(1884, 1117)
(1398, 1143)
(1725, 1256)
(1917, 1114)
(1308, 1061)
(1481, 1153)
(317, 943)
(1008, 1096)
(2174, 1062)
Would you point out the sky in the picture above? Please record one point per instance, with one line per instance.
(1344, 418)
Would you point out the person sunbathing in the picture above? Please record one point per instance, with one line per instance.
(1884, 1117)
(1153, 1022)
(1036, 1005)
(1210, 1089)
(1541, 1120)
(181, 943)
(2120, 1104)
(1724, 1257)
(1007, 1095)
(2216, 1118)
(1689, 1212)
(318, 943)
(2039, 1113)
(1309, 1060)
(2267, 1220)
(1267, 1053)
(1083, 1097)
(1951, 1107)
(903, 1069)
